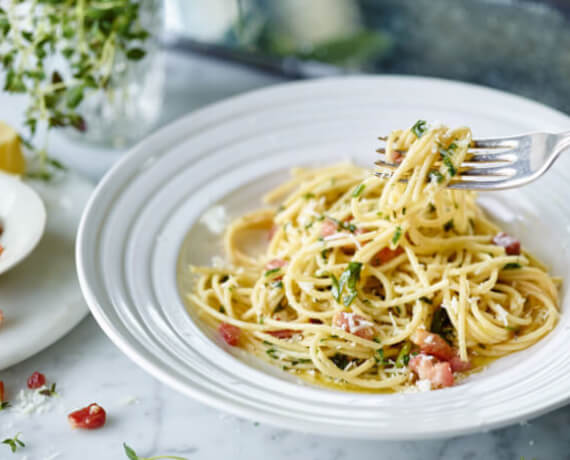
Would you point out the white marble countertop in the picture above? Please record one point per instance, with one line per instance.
(154, 419)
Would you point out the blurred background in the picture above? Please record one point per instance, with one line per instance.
(522, 46)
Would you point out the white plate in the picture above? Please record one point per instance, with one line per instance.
(23, 220)
(40, 297)
(133, 235)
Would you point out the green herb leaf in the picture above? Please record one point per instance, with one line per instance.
(435, 176)
(75, 96)
(397, 235)
(136, 54)
(404, 355)
(131, 454)
(308, 196)
(340, 360)
(349, 298)
(4, 405)
(358, 190)
(272, 271)
(450, 167)
(419, 128)
(512, 266)
(353, 269)
(14, 443)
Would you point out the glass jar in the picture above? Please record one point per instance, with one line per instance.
(126, 110)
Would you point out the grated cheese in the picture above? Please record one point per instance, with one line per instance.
(423, 385)
(215, 219)
(32, 402)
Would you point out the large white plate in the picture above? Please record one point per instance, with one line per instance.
(133, 235)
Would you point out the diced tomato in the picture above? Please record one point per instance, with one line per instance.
(271, 233)
(2, 394)
(354, 324)
(275, 263)
(385, 255)
(433, 344)
(89, 418)
(511, 244)
(36, 380)
(328, 228)
(457, 365)
(428, 368)
(315, 321)
(283, 333)
(230, 333)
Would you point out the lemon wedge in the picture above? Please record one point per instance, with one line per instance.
(11, 157)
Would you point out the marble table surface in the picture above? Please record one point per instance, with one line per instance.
(155, 419)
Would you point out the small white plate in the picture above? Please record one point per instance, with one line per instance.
(143, 220)
(23, 219)
(40, 297)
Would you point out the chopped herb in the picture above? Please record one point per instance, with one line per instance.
(348, 298)
(404, 355)
(512, 266)
(403, 211)
(452, 147)
(435, 176)
(222, 309)
(132, 455)
(340, 360)
(309, 225)
(397, 235)
(512, 329)
(376, 339)
(321, 239)
(4, 405)
(450, 166)
(14, 443)
(380, 214)
(301, 361)
(419, 128)
(272, 271)
(448, 225)
(426, 300)
(379, 357)
(261, 319)
(325, 253)
(271, 352)
(358, 190)
(321, 218)
(265, 342)
(277, 284)
(308, 196)
(441, 325)
(354, 274)
(281, 208)
(48, 391)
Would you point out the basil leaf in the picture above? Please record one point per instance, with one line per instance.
(358, 191)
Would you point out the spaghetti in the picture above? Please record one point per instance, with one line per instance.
(379, 284)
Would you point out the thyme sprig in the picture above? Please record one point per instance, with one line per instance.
(57, 51)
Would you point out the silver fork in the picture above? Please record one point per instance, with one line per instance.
(504, 162)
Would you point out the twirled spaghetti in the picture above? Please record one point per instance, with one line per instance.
(379, 284)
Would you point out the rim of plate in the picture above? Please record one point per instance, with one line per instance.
(292, 406)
